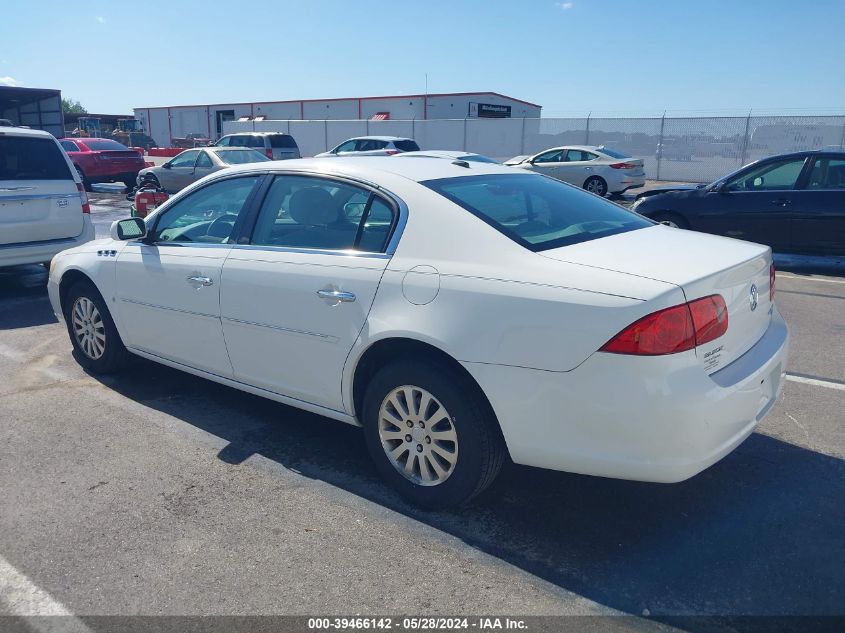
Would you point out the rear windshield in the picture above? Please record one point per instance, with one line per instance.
(282, 140)
(536, 211)
(241, 156)
(478, 158)
(24, 158)
(246, 140)
(407, 146)
(105, 144)
(613, 153)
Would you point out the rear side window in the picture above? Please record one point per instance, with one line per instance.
(282, 140)
(407, 146)
(24, 158)
(101, 144)
(254, 141)
(537, 212)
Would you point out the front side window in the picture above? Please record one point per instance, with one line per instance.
(319, 213)
(226, 141)
(827, 173)
(24, 158)
(207, 215)
(579, 155)
(776, 176)
(537, 212)
(553, 156)
(185, 159)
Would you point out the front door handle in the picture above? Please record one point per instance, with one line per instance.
(199, 279)
(336, 295)
(782, 202)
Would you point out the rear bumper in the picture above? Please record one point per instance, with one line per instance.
(625, 182)
(38, 252)
(660, 419)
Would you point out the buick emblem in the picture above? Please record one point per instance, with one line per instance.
(754, 297)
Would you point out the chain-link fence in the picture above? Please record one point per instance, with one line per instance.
(690, 149)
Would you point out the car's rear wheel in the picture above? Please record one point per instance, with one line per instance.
(85, 182)
(596, 185)
(96, 343)
(671, 219)
(431, 434)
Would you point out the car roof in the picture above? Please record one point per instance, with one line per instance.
(254, 134)
(215, 148)
(587, 148)
(440, 153)
(23, 131)
(378, 138)
(370, 167)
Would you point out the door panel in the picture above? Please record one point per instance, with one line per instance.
(283, 336)
(819, 215)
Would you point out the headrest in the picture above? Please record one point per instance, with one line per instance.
(313, 206)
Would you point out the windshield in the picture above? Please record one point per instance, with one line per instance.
(613, 153)
(104, 144)
(537, 212)
(241, 156)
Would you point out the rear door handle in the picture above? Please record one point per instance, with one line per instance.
(782, 202)
(336, 295)
(199, 279)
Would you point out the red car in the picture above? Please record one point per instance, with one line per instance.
(103, 160)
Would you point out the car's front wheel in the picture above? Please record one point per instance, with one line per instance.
(596, 185)
(96, 343)
(670, 219)
(86, 184)
(431, 434)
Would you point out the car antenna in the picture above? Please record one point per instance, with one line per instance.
(461, 163)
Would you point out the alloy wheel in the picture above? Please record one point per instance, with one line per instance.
(88, 328)
(418, 436)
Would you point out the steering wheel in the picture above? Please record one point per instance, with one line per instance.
(222, 227)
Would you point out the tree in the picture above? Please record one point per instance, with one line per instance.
(70, 106)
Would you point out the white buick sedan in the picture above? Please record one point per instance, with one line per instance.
(459, 312)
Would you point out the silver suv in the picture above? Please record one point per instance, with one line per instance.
(274, 145)
(43, 205)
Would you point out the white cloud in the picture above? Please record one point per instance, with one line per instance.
(9, 81)
(101, 19)
(565, 5)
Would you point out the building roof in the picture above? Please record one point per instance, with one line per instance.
(411, 96)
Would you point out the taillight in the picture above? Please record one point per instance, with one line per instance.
(623, 166)
(772, 274)
(269, 153)
(390, 152)
(672, 330)
(83, 197)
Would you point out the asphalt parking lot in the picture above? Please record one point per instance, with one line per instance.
(156, 493)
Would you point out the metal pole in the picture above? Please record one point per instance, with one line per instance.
(745, 140)
(587, 138)
(368, 127)
(660, 145)
(465, 134)
(414, 127)
(842, 142)
(326, 133)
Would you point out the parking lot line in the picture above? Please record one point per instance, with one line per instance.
(803, 278)
(816, 381)
(21, 597)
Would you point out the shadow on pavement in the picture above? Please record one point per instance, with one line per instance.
(758, 533)
(23, 297)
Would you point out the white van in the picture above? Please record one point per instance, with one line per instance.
(43, 205)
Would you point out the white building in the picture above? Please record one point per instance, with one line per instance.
(166, 123)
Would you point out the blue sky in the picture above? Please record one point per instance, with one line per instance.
(609, 56)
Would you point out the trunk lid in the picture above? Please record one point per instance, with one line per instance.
(700, 265)
(39, 199)
(119, 161)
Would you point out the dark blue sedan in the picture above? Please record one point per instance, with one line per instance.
(795, 203)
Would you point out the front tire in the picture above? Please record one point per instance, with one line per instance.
(96, 344)
(671, 219)
(86, 184)
(596, 185)
(431, 434)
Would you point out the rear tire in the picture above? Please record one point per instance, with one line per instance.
(455, 446)
(86, 184)
(671, 219)
(96, 344)
(596, 185)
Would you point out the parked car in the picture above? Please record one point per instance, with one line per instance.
(372, 146)
(103, 160)
(274, 145)
(466, 314)
(194, 139)
(453, 155)
(43, 205)
(599, 170)
(193, 164)
(794, 203)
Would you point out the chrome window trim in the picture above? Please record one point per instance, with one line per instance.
(312, 251)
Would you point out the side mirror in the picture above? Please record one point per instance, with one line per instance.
(166, 165)
(128, 229)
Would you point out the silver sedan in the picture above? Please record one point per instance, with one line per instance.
(193, 164)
